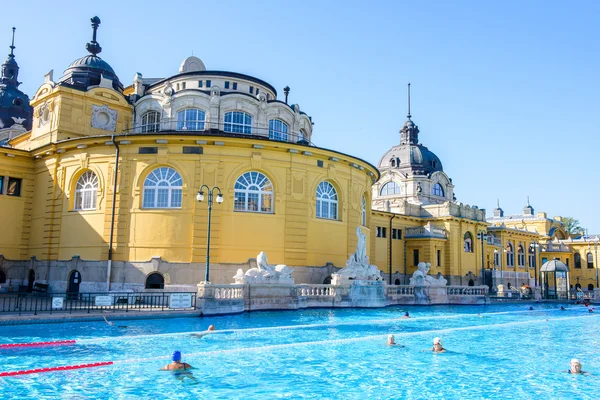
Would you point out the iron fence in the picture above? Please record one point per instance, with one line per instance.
(97, 302)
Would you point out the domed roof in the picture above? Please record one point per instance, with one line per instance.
(554, 265)
(411, 159)
(14, 104)
(89, 70)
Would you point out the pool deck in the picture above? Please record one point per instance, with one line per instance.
(57, 317)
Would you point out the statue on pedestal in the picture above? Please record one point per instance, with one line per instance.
(357, 266)
(265, 273)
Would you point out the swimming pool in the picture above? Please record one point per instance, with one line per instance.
(507, 352)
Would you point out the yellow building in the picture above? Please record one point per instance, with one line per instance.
(103, 191)
(109, 178)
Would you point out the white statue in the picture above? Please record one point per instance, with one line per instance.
(421, 278)
(357, 266)
(265, 273)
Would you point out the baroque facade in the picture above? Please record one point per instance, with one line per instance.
(100, 183)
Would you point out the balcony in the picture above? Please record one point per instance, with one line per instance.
(425, 232)
(202, 127)
(556, 248)
(492, 241)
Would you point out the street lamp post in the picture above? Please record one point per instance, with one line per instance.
(200, 198)
(482, 236)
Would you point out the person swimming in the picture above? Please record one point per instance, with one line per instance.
(406, 315)
(211, 329)
(437, 346)
(562, 308)
(576, 367)
(530, 308)
(391, 341)
(176, 365)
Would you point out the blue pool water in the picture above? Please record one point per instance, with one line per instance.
(507, 352)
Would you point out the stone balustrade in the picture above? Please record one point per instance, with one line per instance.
(316, 290)
(236, 298)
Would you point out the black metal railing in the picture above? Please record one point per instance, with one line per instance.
(97, 302)
(167, 125)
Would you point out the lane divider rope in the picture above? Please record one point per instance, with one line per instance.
(52, 369)
(37, 344)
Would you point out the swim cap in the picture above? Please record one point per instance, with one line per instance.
(390, 336)
(437, 340)
(176, 356)
(575, 361)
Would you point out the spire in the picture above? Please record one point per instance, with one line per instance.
(10, 68)
(408, 116)
(528, 210)
(12, 46)
(409, 134)
(498, 212)
(93, 46)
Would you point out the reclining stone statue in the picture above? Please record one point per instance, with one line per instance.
(265, 273)
(421, 278)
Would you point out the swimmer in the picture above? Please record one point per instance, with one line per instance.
(479, 315)
(576, 367)
(406, 315)
(391, 341)
(437, 346)
(176, 365)
(211, 329)
(530, 308)
(591, 310)
(109, 323)
(562, 308)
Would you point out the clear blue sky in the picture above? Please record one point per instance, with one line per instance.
(505, 92)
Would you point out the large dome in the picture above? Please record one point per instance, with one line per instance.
(89, 70)
(411, 159)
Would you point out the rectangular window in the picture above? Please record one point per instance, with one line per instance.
(320, 163)
(567, 262)
(14, 187)
(380, 232)
(208, 83)
(396, 234)
(226, 84)
(1, 185)
(257, 90)
(183, 85)
(415, 257)
(234, 85)
(439, 258)
(251, 89)
(148, 150)
(199, 84)
(177, 87)
(544, 259)
(192, 150)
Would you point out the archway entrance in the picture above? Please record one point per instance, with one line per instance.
(74, 282)
(30, 280)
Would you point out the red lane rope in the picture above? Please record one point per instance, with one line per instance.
(37, 344)
(52, 369)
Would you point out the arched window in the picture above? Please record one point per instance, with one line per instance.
(278, 130)
(521, 256)
(238, 122)
(393, 162)
(253, 191)
(162, 189)
(327, 201)
(471, 282)
(389, 189)
(468, 242)
(86, 191)
(397, 282)
(150, 122)
(590, 260)
(364, 211)
(577, 257)
(510, 255)
(190, 119)
(531, 256)
(437, 190)
(2, 277)
(155, 281)
(590, 287)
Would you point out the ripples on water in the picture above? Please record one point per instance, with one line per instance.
(508, 352)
